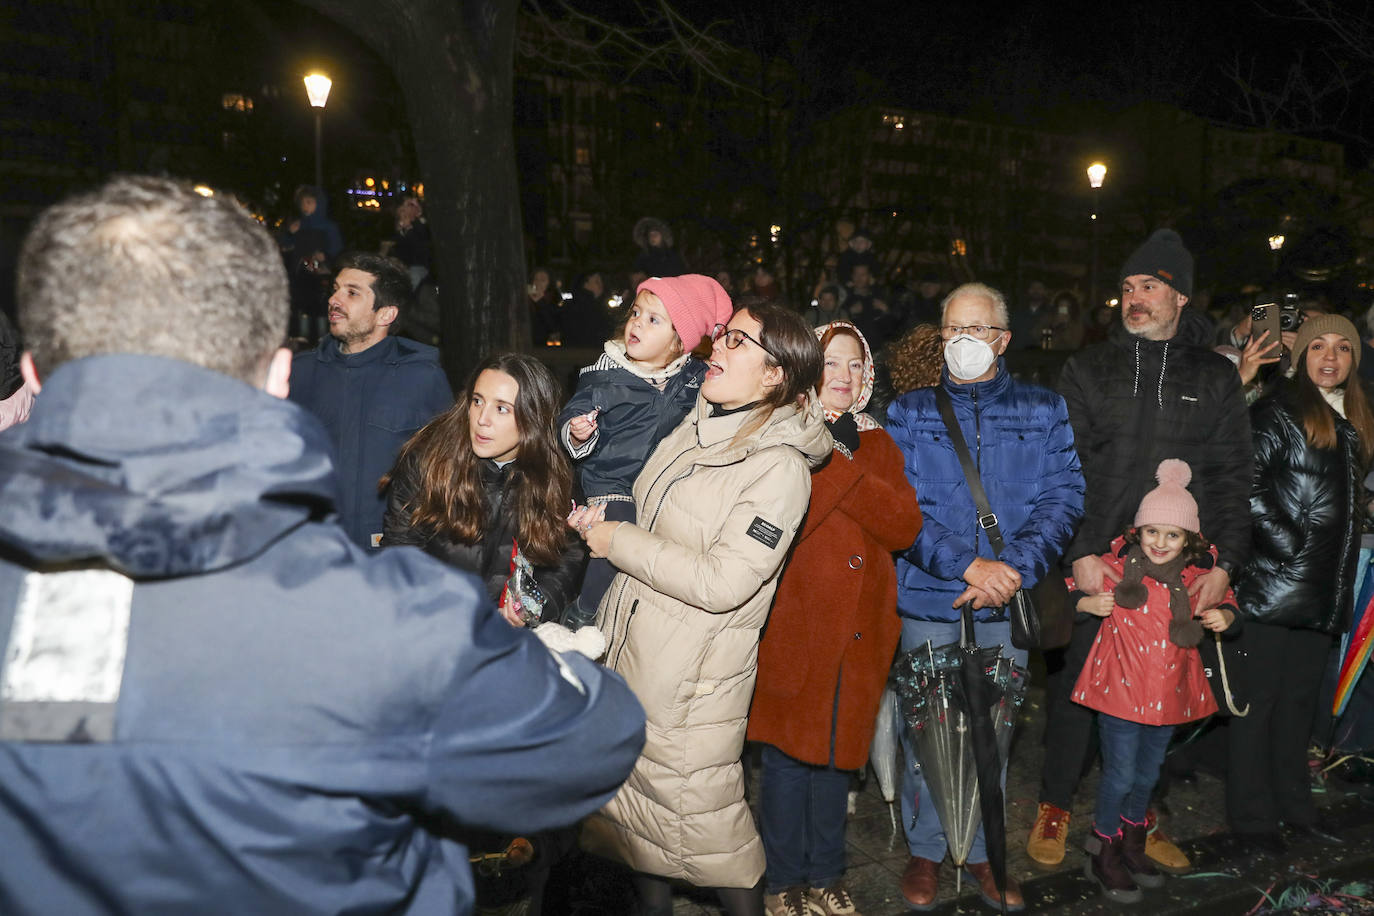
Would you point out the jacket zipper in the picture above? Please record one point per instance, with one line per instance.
(978, 460)
(634, 606)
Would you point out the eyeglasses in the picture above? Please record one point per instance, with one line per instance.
(734, 337)
(980, 331)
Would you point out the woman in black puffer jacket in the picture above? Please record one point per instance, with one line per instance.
(487, 473)
(1313, 440)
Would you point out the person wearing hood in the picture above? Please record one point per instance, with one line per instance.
(1153, 390)
(718, 505)
(830, 638)
(1025, 455)
(657, 257)
(309, 242)
(213, 701)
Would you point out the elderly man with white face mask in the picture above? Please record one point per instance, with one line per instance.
(1021, 441)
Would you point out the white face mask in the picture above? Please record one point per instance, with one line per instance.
(968, 357)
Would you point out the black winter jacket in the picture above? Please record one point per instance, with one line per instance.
(489, 558)
(1134, 402)
(1307, 506)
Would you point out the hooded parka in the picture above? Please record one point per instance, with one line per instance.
(717, 513)
(236, 709)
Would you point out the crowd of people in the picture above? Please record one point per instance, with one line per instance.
(305, 633)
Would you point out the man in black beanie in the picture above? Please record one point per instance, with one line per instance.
(1149, 392)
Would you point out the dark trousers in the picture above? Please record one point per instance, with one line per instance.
(802, 814)
(1068, 726)
(1132, 756)
(1268, 779)
(599, 574)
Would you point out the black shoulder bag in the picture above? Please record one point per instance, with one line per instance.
(1040, 617)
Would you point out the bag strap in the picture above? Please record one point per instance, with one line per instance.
(987, 519)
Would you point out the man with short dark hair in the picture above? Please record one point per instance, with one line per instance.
(210, 700)
(372, 391)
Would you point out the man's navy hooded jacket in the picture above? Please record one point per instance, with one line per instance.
(213, 702)
(371, 403)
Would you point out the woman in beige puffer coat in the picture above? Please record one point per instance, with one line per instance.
(719, 503)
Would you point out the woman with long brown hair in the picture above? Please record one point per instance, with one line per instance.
(488, 474)
(718, 504)
(1313, 441)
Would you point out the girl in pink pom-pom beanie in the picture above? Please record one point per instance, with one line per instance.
(1143, 674)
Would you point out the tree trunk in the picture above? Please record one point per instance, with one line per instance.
(453, 60)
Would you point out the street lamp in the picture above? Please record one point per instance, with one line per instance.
(1097, 173)
(317, 89)
(1275, 244)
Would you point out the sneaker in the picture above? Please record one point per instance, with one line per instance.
(834, 900)
(1161, 850)
(793, 901)
(1048, 835)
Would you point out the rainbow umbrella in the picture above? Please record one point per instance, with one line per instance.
(1356, 643)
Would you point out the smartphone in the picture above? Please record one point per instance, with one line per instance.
(1265, 317)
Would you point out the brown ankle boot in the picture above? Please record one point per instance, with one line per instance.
(1106, 869)
(1140, 866)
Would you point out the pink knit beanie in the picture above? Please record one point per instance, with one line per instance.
(696, 304)
(1170, 503)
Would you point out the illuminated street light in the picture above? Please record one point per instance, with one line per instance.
(317, 90)
(1097, 173)
(204, 190)
(1275, 242)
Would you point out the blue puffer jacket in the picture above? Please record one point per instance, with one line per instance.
(235, 709)
(370, 403)
(1020, 438)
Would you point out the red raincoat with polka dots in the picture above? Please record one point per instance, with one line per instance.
(1133, 671)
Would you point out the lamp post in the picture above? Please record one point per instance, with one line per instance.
(1097, 173)
(1275, 247)
(317, 89)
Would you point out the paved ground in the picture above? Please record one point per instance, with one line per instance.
(1224, 881)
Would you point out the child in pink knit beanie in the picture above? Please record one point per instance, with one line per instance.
(635, 394)
(1143, 673)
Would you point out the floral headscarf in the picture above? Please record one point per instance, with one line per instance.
(861, 419)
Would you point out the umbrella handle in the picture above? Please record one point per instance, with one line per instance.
(966, 640)
(1226, 682)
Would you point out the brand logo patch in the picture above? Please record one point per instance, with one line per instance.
(764, 532)
(1166, 275)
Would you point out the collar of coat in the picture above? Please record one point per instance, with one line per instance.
(800, 426)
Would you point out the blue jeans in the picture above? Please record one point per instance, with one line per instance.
(802, 813)
(1132, 755)
(925, 836)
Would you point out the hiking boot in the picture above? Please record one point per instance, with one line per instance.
(1048, 834)
(1161, 850)
(1107, 870)
(921, 883)
(834, 900)
(1140, 866)
(793, 901)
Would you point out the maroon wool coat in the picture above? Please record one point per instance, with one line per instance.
(834, 619)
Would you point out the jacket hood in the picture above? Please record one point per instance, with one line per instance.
(395, 350)
(157, 468)
(866, 384)
(801, 426)
(321, 214)
(646, 225)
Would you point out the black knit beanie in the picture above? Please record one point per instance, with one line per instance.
(1162, 256)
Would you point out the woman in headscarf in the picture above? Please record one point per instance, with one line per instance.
(830, 640)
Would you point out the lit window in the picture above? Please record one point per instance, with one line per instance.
(236, 101)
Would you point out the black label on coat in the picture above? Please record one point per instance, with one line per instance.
(764, 533)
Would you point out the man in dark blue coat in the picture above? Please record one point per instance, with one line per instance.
(371, 391)
(213, 701)
(1020, 440)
